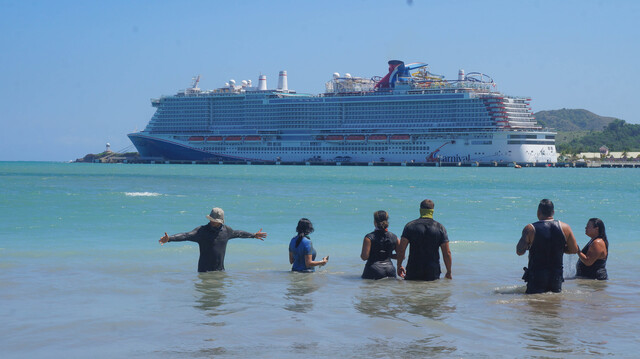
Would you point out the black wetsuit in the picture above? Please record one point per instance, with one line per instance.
(544, 272)
(597, 270)
(379, 264)
(425, 237)
(212, 242)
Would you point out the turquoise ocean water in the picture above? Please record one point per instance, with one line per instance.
(82, 273)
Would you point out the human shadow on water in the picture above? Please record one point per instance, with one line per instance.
(391, 298)
(298, 296)
(428, 299)
(407, 302)
(211, 286)
(550, 318)
(545, 327)
(547, 321)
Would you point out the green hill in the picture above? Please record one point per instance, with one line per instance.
(617, 136)
(584, 131)
(568, 120)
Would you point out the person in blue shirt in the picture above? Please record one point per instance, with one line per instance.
(302, 255)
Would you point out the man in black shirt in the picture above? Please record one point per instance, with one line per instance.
(425, 236)
(212, 239)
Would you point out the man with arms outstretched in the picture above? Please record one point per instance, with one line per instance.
(212, 239)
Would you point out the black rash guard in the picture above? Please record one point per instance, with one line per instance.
(379, 264)
(212, 242)
(425, 237)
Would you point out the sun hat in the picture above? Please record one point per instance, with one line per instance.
(216, 215)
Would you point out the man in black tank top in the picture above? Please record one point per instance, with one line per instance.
(546, 240)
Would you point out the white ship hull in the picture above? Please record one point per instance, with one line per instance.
(453, 149)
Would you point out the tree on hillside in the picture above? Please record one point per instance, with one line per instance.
(572, 120)
(617, 136)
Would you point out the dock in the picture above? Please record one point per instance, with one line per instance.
(576, 164)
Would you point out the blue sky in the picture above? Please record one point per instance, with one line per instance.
(77, 74)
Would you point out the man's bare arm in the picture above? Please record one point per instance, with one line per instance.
(400, 250)
(572, 243)
(446, 258)
(528, 233)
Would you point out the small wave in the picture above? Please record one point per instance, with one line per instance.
(465, 242)
(142, 194)
(511, 289)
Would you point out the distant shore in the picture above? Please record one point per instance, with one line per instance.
(134, 158)
(573, 164)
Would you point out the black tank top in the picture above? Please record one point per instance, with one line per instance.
(548, 246)
(383, 243)
(597, 270)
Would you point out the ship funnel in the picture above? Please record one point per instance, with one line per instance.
(262, 83)
(282, 81)
(461, 75)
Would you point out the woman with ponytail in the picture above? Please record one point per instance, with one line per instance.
(301, 252)
(377, 249)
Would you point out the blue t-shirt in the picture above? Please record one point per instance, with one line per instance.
(303, 249)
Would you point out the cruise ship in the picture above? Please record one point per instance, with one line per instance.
(408, 115)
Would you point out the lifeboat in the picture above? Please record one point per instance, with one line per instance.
(196, 139)
(252, 138)
(233, 138)
(214, 138)
(334, 138)
(400, 138)
(377, 138)
(355, 138)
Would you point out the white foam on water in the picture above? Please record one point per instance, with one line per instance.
(142, 194)
(510, 289)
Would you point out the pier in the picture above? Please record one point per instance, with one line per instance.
(576, 164)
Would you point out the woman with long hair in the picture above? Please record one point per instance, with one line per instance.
(302, 255)
(593, 257)
(378, 249)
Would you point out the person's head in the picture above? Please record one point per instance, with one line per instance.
(216, 217)
(426, 209)
(381, 219)
(545, 209)
(426, 204)
(595, 229)
(304, 228)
